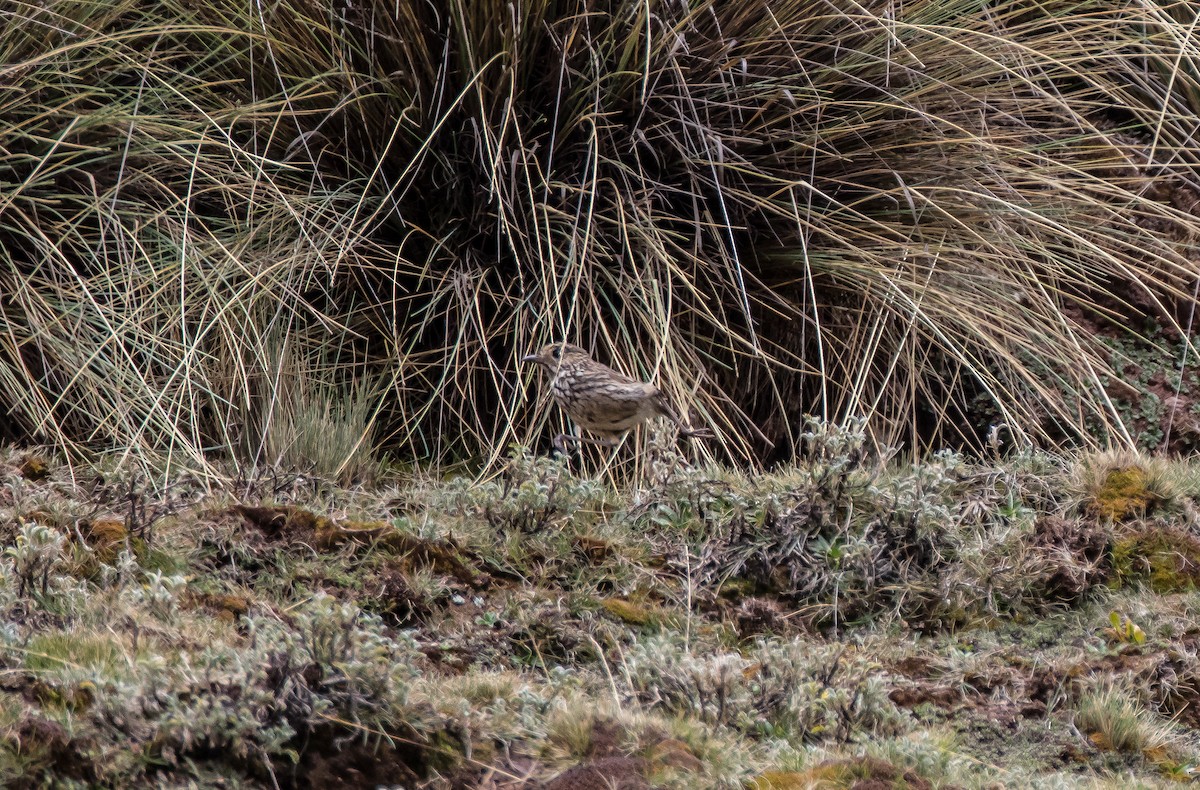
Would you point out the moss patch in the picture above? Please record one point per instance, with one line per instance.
(1168, 559)
(295, 525)
(629, 612)
(871, 773)
(226, 608)
(107, 536)
(34, 467)
(1124, 494)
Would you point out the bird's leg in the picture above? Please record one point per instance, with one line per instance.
(685, 431)
(688, 432)
(560, 442)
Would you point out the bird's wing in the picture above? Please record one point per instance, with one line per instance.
(615, 376)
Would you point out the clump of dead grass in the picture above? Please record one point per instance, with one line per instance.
(746, 202)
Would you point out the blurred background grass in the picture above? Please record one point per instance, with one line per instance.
(307, 232)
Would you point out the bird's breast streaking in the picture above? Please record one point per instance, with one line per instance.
(597, 398)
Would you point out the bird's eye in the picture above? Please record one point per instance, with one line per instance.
(555, 352)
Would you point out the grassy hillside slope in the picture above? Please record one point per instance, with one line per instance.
(841, 623)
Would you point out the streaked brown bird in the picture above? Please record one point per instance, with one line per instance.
(599, 399)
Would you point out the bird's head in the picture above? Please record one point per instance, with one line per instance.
(551, 355)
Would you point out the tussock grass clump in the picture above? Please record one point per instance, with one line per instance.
(918, 214)
(1114, 720)
(1166, 559)
(1122, 485)
(314, 426)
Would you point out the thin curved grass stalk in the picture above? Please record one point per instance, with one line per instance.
(917, 215)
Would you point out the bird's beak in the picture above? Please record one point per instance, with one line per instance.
(531, 358)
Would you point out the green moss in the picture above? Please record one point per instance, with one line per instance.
(738, 588)
(443, 751)
(629, 612)
(107, 537)
(1169, 560)
(225, 607)
(1123, 494)
(34, 467)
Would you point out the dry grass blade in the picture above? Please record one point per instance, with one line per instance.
(919, 216)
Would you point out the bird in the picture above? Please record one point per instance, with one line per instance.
(599, 399)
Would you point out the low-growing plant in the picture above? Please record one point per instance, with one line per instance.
(775, 689)
(942, 542)
(159, 593)
(530, 494)
(245, 650)
(364, 671)
(36, 554)
(1124, 629)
